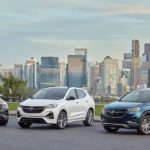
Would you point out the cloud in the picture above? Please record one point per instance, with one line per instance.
(128, 9)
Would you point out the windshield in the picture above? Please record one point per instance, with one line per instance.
(137, 96)
(50, 93)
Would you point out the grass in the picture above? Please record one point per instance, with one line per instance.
(98, 110)
(13, 106)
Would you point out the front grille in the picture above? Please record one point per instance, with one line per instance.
(115, 113)
(32, 120)
(30, 109)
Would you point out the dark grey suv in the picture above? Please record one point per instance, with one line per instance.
(4, 115)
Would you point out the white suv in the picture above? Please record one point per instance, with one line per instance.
(57, 106)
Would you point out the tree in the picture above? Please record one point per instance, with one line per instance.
(10, 82)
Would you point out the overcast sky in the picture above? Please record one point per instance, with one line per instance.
(56, 27)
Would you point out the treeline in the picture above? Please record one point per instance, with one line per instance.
(13, 86)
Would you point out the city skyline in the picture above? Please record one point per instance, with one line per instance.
(55, 28)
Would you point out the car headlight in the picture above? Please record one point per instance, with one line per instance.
(52, 105)
(103, 111)
(136, 109)
(20, 106)
(4, 106)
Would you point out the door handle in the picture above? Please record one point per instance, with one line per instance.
(77, 102)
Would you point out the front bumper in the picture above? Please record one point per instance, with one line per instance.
(48, 116)
(127, 121)
(4, 115)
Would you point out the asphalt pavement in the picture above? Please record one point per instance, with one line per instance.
(74, 137)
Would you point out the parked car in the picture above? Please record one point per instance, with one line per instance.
(131, 111)
(57, 106)
(4, 115)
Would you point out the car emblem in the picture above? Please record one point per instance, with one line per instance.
(30, 108)
(112, 112)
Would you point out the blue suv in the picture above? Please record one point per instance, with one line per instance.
(131, 111)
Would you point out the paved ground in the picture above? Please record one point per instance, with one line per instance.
(75, 137)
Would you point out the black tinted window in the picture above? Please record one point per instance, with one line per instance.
(50, 93)
(137, 96)
(72, 93)
(80, 94)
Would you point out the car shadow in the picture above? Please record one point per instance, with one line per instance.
(122, 132)
(52, 127)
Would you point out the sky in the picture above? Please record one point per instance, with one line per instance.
(35, 28)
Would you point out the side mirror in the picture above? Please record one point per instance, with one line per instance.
(71, 98)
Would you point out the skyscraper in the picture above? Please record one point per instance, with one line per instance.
(109, 72)
(18, 71)
(30, 73)
(135, 69)
(95, 80)
(147, 51)
(77, 68)
(62, 66)
(125, 78)
(49, 72)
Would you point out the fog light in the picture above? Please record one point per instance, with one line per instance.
(50, 116)
(18, 114)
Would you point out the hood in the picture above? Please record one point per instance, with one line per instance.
(39, 102)
(2, 101)
(122, 105)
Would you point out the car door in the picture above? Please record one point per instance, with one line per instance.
(72, 106)
(82, 102)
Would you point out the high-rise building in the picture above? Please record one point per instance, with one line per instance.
(145, 66)
(6, 70)
(127, 62)
(125, 77)
(49, 72)
(49, 62)
(95, 80)
(135, 69)
(62, 66)
(77, 68)
(147, 51)
(109, 72)
(30, 73)
(38, 75)
(94, 73)
(18, 71)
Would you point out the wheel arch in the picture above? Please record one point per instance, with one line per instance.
(145, 113)
(91, 108)
(64, 110)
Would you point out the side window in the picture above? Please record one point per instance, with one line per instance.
(72, 93)
(80, 94)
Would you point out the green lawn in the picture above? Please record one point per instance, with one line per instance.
(13, 106)
(98, 110)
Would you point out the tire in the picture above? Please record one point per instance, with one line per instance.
(111, 129)
(61, 120)
(24, 124)
(4, 122)
(144, 127)
(89, 118)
